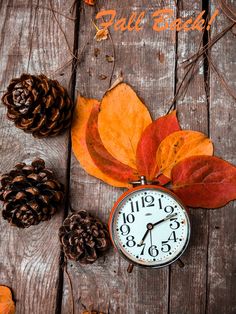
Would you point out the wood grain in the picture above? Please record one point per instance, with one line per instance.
(222, 233)
(105, 285)
(31, 41)
(188, 284)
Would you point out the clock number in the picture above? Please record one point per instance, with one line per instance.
(169, 209)
(125, 230)
(133, 206)
(172, 237)
(129, 218)
(153, 251)
(142, 253)
(148, 201)
(165, 247)
(172, 225)
(160, 203)
(130, 241)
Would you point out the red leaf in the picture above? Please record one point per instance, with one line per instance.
(204, 181)
(149, 142)
(101, 157)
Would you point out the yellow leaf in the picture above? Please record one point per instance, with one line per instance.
(121, 122)
(78, 133)
(7, 305)
(180, 145)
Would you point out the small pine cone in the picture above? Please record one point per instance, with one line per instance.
(30, 194)
(38, 105)
(83, 237)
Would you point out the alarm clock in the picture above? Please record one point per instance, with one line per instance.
(149, 226)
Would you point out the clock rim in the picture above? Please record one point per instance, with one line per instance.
(112, 215)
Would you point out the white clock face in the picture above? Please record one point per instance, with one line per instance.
(150, 227)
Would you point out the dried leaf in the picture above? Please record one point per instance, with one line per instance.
(102, 77)
(96, 52)
(102, 158)
(90, 2)
(149, 142)
(121, 122)
(204, 181)
(102, 34)
(110, 58)
(180, 145)
(7, 305)
(81, 115)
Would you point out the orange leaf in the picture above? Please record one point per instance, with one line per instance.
(204, 181)
(79, 146)
(180, 145)
(121, 122)
(90, 2)
(102, 158)
(149, 142)
(7, 305)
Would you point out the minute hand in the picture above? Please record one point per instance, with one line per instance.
(164, 219)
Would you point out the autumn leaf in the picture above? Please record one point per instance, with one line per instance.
(102, 158)
(7, 305)
(90, 2)
(180, 145)
(149, 142)
(204, 181)
(78, 133)
(121, 122)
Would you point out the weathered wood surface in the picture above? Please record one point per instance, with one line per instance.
(221, 275)
(152, 63)
(31, 41)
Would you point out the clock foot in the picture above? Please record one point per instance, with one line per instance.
(130, 268)
(180, 263)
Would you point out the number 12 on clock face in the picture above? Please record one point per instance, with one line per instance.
(149, 226)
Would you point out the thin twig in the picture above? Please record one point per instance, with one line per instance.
(211, 43)
(221, 78)
(64, 34)
(183, 86)
(57, 12)
(227, 10)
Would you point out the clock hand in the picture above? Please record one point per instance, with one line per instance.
(164, 219)
(144, 237)
(150, 226)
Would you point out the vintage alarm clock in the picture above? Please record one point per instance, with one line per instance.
(149, 226)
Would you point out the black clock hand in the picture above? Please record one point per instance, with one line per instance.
(144, 237)
(164, 219)
(150, 226)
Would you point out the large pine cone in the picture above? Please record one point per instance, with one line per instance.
(30, 194)
(83, 237)
(38, 105)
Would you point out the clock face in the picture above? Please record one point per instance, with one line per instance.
(150, 227)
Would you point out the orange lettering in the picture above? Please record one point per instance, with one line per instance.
(199, 22)
(186, 23)
(160, 14)
(120, 25)
(176, 25)
(139, 20)
(104, 13)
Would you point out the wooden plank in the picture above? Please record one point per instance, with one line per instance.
(222, 232)
(31, 41)
(105, 285)
(188, 284)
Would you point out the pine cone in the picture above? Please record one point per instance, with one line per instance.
(83, 237)
(38, 105)
(30, 194)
